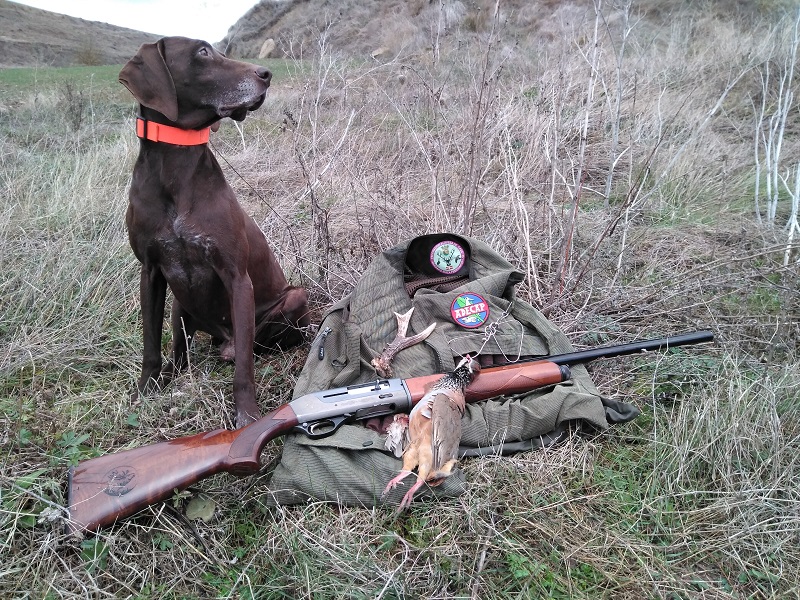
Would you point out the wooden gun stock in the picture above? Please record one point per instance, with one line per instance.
(111, 487)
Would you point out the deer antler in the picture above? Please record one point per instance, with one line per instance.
(383, 363)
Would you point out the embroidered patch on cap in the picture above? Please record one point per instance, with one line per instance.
(447, 257)
(469, 310)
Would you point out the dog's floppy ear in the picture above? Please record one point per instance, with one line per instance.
(148, 79)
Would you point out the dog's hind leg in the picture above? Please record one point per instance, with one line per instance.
(281, 327)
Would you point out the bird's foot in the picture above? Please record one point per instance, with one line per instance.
(394, 481)
(406, 502)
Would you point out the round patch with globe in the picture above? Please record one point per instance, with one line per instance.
(469, 310)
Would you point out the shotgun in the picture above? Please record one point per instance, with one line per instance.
(108, 488)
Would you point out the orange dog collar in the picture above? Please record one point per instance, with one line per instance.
(156, 132)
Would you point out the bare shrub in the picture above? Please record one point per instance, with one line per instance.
(779, 86)
(73, 102)
(89, 54)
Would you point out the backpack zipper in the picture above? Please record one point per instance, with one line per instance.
(322, 336)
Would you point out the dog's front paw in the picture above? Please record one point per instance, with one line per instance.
(152, 384)
(144, 387)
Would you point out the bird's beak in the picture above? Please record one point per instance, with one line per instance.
(467, 360)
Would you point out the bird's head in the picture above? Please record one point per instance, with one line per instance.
(466, 370)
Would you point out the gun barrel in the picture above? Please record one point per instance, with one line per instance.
(583, 356)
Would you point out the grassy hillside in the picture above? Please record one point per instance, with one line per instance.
(34, 37)
(613, 165)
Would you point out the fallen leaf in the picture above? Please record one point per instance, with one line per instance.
(200, 507)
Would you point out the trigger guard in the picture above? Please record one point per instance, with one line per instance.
(322, 428)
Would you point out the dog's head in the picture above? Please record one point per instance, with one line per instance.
(192, 84)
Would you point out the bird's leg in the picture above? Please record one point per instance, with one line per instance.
(410, 495)
(439, 476)
(393, 483)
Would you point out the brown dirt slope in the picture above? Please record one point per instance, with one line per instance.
(363, 28)
(30, 37)
(358, 28)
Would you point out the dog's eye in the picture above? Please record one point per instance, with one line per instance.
(203, 51)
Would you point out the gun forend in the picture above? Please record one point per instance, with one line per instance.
(516, 378)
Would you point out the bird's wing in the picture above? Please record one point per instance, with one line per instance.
(446, 423)
(423, 407)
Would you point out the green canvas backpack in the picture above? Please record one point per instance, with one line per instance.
(468, 289)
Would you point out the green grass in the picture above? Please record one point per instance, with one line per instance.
(23, 80)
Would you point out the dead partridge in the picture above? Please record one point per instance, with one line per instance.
(434, 431)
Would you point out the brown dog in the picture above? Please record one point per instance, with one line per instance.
(186, 227)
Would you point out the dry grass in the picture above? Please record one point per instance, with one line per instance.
(697, 498)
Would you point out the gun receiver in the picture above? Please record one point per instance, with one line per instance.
(321, 413)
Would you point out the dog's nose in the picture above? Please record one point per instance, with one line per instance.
(264, 74)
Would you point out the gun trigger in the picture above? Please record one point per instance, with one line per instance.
(323, 427)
